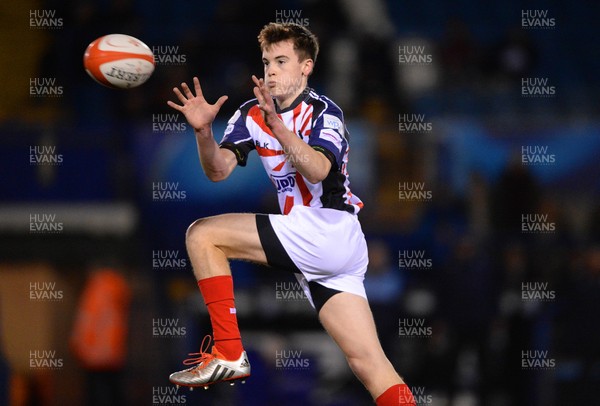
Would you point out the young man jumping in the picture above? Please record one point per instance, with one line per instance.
(302, 142)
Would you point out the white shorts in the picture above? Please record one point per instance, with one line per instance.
(326, 246)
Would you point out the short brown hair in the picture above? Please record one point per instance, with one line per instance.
(305, 42)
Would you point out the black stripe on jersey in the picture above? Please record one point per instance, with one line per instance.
(333, 185)
(333, 192)
(318, 107)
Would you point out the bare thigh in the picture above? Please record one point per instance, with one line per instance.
(234, 234)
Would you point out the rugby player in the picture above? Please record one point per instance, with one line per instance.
(302, 141)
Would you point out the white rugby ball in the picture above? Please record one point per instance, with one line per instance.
(119, 61)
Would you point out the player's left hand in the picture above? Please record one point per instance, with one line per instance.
(265, 101)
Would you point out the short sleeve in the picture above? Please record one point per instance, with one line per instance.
(329, 136)
(237, 138)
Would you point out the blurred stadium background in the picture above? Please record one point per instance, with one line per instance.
(490, 110)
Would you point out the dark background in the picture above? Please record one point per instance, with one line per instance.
(468, 155)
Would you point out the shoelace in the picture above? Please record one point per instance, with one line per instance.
(203, 357)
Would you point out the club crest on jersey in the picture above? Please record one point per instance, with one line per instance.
(231, 122)
(284, 183)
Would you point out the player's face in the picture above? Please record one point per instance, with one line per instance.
(285, 75)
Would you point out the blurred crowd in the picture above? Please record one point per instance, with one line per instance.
(471, 71)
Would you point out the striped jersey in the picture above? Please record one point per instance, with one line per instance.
(317, 121)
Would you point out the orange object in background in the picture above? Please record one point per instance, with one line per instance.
(99, 338)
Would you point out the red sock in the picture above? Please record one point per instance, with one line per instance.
(217, 292)
(397, 395)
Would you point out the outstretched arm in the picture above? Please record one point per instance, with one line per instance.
(217, 163)
(313, 165)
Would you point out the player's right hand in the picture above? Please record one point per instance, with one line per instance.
(197, 111)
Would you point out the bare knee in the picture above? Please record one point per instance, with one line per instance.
(366, 365)
(375, 372)
(359, 367)
(198, 235)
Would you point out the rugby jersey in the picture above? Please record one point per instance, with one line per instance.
(317, 121)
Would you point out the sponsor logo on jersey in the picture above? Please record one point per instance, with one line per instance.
(284, 183)
(330, 121)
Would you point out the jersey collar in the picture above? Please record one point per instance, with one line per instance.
(301, 97)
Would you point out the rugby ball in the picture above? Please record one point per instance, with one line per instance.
(119, 61)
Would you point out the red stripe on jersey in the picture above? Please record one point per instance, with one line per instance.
(358, 203)
(306, 121)
(308, 110)
(289, 203)
(268, 152)
(278, 167)
(306, 195)
(257, 117)
(295, 114)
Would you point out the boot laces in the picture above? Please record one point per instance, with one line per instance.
(202, 358)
